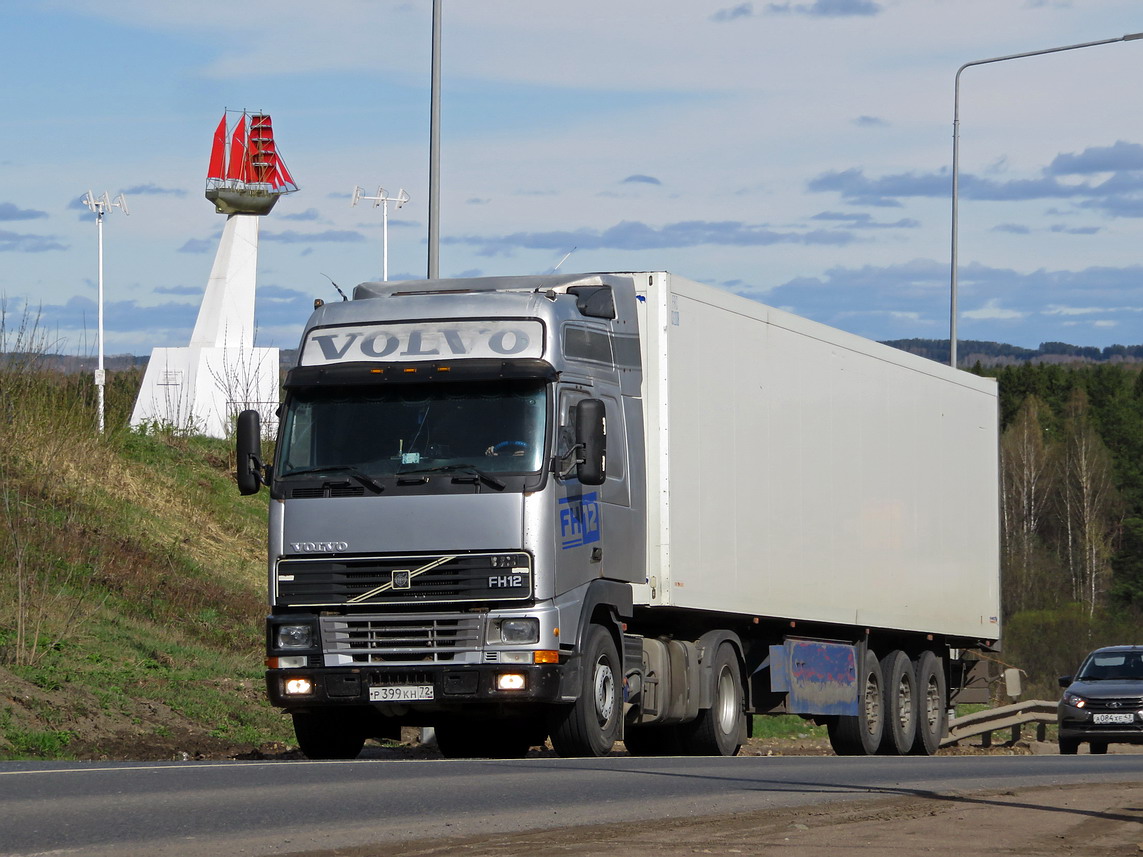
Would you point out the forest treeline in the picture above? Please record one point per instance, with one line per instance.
(971, 351)
(1071, 451)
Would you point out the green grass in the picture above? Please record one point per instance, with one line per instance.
(134, 588)
(782, 726)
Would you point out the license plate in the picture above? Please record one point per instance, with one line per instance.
(1113, 718)
(401, 693)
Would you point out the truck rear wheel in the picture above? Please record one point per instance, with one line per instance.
(900, 704)
(590, 725)
(329, 734)
(717, 730)
(861, 735)
(931, 704)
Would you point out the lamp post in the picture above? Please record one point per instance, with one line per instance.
(382, 199)
(956, 159)
(100, 205)
(435, 148)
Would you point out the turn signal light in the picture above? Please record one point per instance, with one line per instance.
(547, 656)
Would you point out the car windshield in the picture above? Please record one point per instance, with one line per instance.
(378, 431)
(1112, 666)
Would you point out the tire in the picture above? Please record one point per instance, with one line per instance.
(590, 725)
(717, 730)
(861, 735)
(653, 741)
(900, 704)
(1068, 746)
(932, 710)
(328, 734)
(1097, 748)
(483, 740)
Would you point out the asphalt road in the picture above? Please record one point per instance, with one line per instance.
(282, 807)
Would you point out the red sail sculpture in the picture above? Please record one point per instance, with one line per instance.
(246, 174)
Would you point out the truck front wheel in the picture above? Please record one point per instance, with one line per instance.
(328, 735)
(590, 725)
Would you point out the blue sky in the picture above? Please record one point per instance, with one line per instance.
(795, 152)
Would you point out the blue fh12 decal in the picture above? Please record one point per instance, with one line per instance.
(579, 520)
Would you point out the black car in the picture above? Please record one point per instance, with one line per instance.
(1103, 702)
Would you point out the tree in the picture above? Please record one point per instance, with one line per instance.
(1088, 506)
(1026, 478)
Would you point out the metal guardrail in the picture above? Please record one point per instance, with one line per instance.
(1014, 717)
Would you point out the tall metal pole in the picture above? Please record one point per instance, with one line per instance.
(99, 206)
(956, 162)
(435, 148)
(100, 374)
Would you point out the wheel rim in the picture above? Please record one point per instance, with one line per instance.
(904, 704)
(604, 691)
(932, 705)
(872, 704)
(727, 701)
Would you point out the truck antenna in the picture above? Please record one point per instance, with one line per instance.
(336, 286)
(564, 259)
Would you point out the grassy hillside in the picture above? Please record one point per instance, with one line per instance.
(132, 584)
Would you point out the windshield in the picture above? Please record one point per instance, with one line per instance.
(488, 427)
(1113, 666)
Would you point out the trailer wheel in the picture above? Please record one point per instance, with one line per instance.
(590, 725)
(328, 734)
(931, 704)
(861, 735)
(900, 704)
(717, 730)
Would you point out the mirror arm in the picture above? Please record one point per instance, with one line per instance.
(564, 464)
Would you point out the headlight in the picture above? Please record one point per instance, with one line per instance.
(1074, 700)
(294, 637)
(525, 630)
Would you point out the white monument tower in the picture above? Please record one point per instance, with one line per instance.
(202, 387)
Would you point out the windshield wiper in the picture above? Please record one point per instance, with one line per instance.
(347, 469)
(487, 478)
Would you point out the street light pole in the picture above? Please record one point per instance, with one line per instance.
(956, 160)
(435, 148)
(383, 199)
(100, 205)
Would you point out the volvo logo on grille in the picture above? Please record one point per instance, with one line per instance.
(319, 547)
(402, 579)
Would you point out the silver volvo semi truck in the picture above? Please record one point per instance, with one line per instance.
(595, 508)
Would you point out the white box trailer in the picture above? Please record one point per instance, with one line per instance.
(619, 506)
(798, 471)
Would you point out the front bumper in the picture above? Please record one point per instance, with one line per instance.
(453, 686)
(1077, 725)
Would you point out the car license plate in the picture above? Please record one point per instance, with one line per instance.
(401, 693)
(1113, 718)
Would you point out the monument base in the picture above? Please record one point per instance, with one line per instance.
(202, 389)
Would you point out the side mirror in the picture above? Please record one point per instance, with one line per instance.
(591, 437)
(248, 441)
(1065, 680)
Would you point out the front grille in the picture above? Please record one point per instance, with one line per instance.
(401, 639)
(417, 579)
(1121, 705)
(328, 490)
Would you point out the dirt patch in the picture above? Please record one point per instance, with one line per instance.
(1084, 821)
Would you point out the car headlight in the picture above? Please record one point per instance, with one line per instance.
(294, 637)
(523, 630)
(1074, 700)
